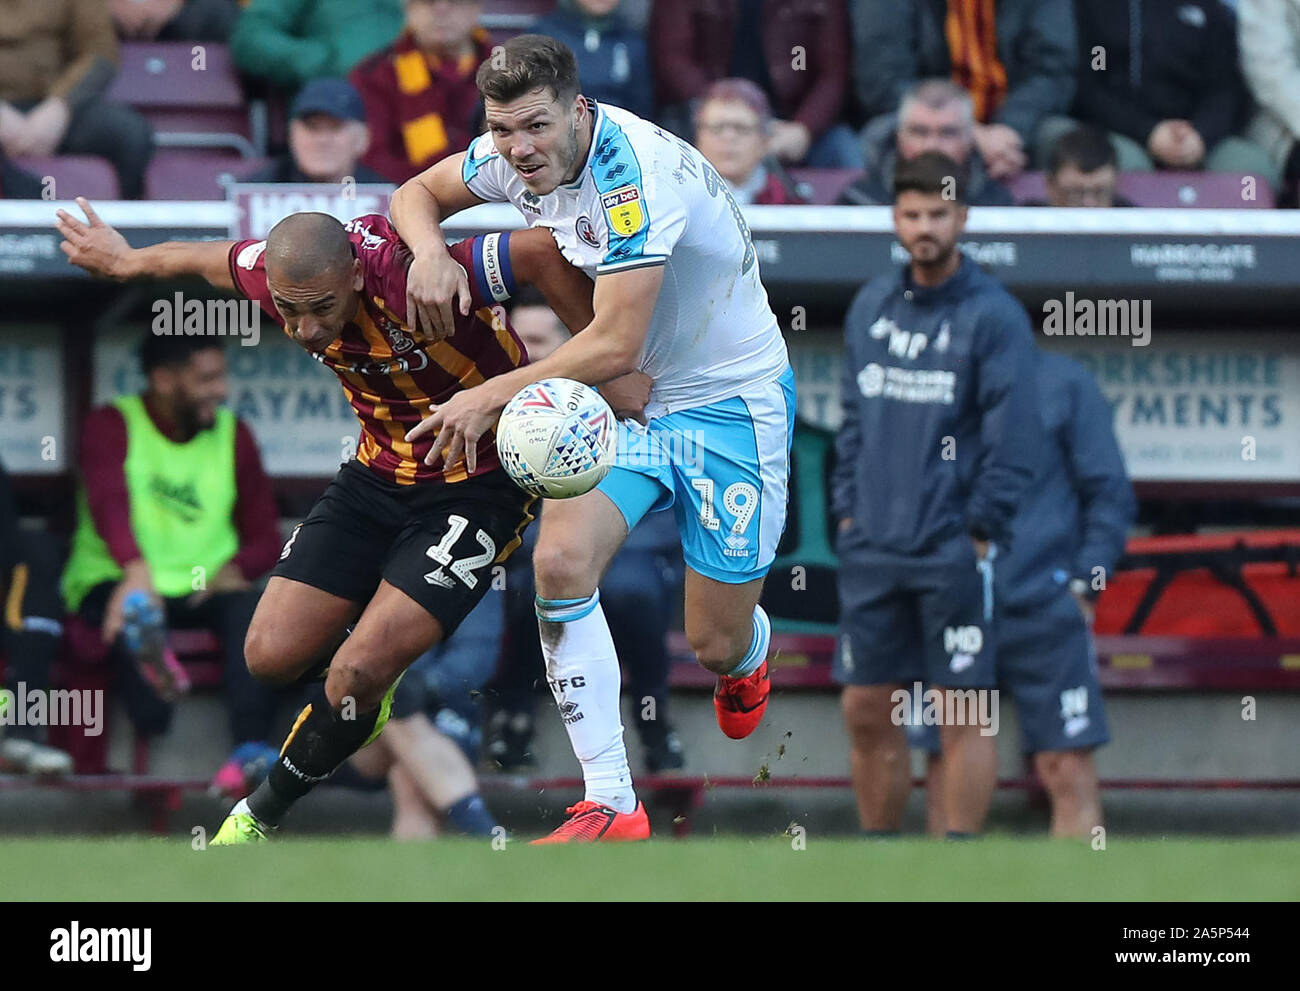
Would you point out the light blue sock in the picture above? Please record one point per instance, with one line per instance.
(757, 652)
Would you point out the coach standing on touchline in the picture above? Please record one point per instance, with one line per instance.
(938, 443)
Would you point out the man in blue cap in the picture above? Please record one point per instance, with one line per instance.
(327, 137)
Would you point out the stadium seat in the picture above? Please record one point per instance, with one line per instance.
(1028, 187)
(823, 186)
(188, 106)
(190, 174)
(516, 14)
(74, 175)
(1206, 190)
(504, 19)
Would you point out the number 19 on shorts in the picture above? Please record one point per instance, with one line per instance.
(740, 500)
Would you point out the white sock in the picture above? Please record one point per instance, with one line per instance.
(582, 670)
(758, 647)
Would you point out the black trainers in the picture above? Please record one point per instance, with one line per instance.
(664, 752)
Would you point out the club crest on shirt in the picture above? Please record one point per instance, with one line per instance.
(369, 239)
(398, 339)
(623, 210)
(586, 231)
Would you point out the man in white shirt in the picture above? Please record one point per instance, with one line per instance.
(677, 298)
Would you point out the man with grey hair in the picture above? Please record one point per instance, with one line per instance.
(937, 115)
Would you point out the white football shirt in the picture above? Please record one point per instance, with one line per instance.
(646, 197)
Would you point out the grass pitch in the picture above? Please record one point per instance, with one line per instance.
(995, 868)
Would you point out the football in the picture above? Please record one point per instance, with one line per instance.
(557, 438)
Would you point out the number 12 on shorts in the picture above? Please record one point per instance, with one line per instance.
(464, 568)
(740, 499)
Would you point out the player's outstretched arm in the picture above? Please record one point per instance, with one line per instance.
(102, 250)
(435, 282)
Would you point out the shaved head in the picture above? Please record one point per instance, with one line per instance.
(314, 279)
(303, 246)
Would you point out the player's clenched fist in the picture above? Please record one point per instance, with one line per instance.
(94, 246)
(628, 394)
(434, 283)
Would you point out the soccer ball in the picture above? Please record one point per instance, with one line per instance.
(557, 438)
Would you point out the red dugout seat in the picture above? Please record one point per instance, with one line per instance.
(1245, 584)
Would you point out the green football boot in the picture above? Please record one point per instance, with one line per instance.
(385, 710)
(240, 826)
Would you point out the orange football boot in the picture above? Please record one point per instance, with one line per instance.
(590, 822)
(739, 703)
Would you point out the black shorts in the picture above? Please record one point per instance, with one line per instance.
(915, 618)
(436, 542)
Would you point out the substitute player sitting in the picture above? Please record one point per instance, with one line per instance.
(394, 549)
(678, 296)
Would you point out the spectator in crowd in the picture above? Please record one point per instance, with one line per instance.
(175, 521)
(1016, 58)
(1070, 527)
(16, 183)
(613, 59)
(937, 116)
(1269, 39)
(638, 594)
(1082, 170)
(327, 137)
(428, 750)
(288, 42)
(420, 95)
(797, 53)
(29, 637)
(174, 20)
(1175, 100)
(58, 59)
(937, 447)
(732, 124)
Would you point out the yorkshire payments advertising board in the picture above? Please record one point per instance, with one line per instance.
(33, 440)
(1187, 407)
(293, 404)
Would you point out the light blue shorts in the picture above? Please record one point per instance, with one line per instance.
(724, 468)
